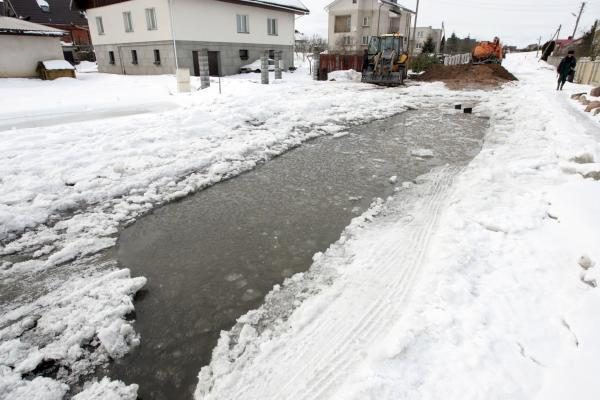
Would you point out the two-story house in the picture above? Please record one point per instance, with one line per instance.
(158, 36)
(420, 36)
(353, 22)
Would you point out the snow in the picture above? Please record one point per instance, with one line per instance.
(86, 66)
(57, 64)
(467, 283)
(464, 285)
(349, 75)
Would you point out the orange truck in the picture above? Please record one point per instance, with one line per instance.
(488, 52)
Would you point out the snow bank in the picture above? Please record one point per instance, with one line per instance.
(495, 298)
(67, 332)
(344, 76)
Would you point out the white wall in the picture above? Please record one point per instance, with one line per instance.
(114, 28)
(19, 55)
(215, 21)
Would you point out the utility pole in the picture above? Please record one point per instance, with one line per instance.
(412, 48)
(578, 17)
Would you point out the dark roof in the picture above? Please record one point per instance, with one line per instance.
(61, 12)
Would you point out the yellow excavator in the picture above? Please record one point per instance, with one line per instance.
(387, 61)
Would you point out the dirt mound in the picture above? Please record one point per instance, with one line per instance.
(467, 75)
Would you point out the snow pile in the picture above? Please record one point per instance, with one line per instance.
(57, 64)
(108, 390)
(344, 76)
(87, 66)
(67, 332)
(484, 289)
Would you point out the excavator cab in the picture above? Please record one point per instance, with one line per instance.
(387, 61)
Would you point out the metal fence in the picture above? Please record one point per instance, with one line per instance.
(456, 59)
(587, 71)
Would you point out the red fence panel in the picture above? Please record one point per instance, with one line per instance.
(338, 62)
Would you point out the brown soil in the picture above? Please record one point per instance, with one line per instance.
(467, 75)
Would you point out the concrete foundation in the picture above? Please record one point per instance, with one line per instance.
(227, 56)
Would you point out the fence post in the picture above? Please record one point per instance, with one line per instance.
(203, 68)
(278, 65)
(264, 69)
(316, 66)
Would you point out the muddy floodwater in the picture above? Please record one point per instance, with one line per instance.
(213, 256)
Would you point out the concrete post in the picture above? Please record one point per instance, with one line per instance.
(278, 65)
(264, 69)
(316, 66)
(203, 68)
(183, 80)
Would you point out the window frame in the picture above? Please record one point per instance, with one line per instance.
(363, 41)
(156, 53)
(272, 23)
(127, 21)
(111, 57)
(151, 22)
(242, 23)
(99, 26)
(134, 57)
(337, 27)
(365, 21)
(244, 54)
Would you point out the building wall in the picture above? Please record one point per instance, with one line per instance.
(421, 35)
(215, 21)
(197, 24)
(228, 55)
(378, 23)
(19, 55)
(114, 27)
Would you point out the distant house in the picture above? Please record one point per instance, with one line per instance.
(353, 22)
(156, 36)
(23, 44)
(419, 37)
(60, 14)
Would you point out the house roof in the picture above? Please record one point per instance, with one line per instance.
(15, 26)
(60, 12)
(295, 6)
(292, 5)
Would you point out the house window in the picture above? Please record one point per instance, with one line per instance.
(347, 40)
(156, 57)
(43, 5)
(151, 19)
(134, 59)
(243, 25)
(365, 40)
(394, 25)
(272, 26)
(342, 23)
(127, 21)
(111, 57)
(99, 25)
(365, 21)
(243, 54)
(272, 54)
(354, 1)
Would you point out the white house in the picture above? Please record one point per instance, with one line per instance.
(147, 36)
(419, 37)
(23, 44)
(353, 22)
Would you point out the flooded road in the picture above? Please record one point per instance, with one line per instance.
(213, 256)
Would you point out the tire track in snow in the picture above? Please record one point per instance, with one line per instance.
(391, 269)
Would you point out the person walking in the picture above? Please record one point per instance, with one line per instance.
(565, 68)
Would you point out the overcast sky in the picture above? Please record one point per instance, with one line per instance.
(516, 22)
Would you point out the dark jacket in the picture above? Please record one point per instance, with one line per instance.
(566, 66)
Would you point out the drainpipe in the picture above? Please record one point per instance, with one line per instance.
(173, 36)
